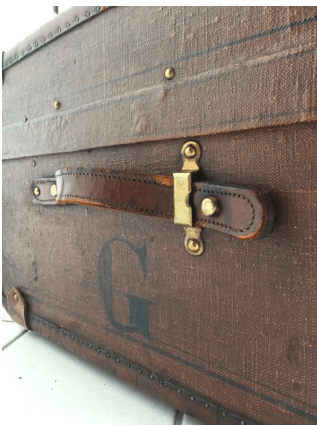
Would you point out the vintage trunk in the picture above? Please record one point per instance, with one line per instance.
(97, 107)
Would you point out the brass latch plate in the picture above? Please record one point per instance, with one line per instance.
(182, 182)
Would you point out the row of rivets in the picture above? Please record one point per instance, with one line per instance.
(10, 61)
(152, 376)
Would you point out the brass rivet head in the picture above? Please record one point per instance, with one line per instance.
(54, 190)
(193, 245)
(16, 297)
(169, 73)
(190, 151)
(57, 105)
(209, 206)
(36, 191)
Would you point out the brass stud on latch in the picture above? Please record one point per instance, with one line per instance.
(169, 73)
(36, 191)
(16, 297)
(193, 245)
(190, 151)
(53, 190)
(209, 206)
(57, 105)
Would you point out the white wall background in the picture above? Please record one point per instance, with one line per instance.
(19, 22)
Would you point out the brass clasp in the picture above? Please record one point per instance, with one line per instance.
(182, 183)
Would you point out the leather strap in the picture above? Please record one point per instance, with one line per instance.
(244, 213)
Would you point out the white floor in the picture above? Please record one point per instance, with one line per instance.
(44, 384)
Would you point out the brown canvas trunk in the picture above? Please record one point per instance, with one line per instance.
(228, 336)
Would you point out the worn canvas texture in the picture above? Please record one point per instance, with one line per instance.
(235, 327)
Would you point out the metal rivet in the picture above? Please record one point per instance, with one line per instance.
(73, 337)
(90, 346)
(16, 297)
(193, 245)
(33, 163)
(207, 405)
(88, 14)
(77, 19)
(53, 190)
(140, 371)
(190, 151)
(22, 53)
(179, 391)
(38, 320)
(51, 35)
(6, 63)
(44, 323)
(209, 206)
(30, 48)
(36, 191)
(192, 398)
(118, 360)
(129, 365)
(36, 44)
(51, 326)
(224, 414)
(64, 332)
(43, 39)
(151, 376)
(25, 119)
(32, 317)
(59, 29)
(57, 105)
(107, 355)
(99, 351)
(98, 8)
(68, 24)
(17, 57)
(169, 73)
(81, 342)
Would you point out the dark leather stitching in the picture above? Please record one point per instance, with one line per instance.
(110, 176)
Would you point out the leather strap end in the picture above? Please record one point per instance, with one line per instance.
(42, 191)
(243, 213)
